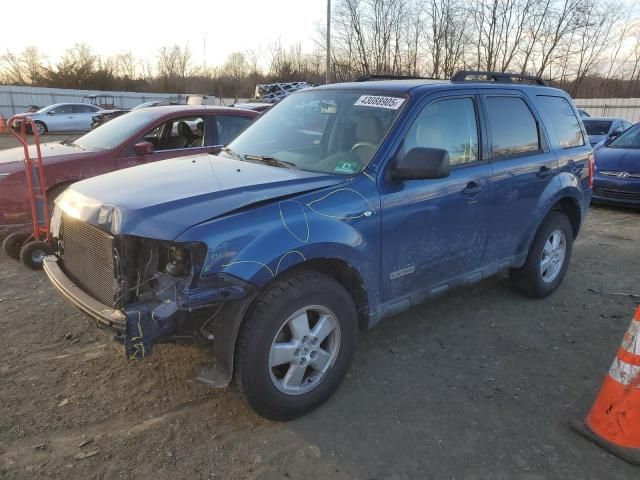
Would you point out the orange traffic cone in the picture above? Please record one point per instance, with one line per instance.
(614, 420)
(1, 124)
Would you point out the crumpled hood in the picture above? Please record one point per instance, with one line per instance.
(48, 150)
(162, 199)
(618, 159)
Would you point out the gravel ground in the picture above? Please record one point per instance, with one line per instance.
(480, 383)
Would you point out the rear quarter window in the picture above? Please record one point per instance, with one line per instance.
(561, 118)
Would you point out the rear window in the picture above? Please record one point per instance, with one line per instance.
(560, 118)
(597, 127)
(514, 130)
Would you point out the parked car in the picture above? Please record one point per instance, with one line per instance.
(257, 106)
(617, 180)
(603, 128)
(61, 117)
(105, 115)
(142, 136)
(342, 205)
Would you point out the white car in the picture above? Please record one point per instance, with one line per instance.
(64, 117)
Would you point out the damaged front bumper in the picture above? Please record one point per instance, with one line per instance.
(141, 325)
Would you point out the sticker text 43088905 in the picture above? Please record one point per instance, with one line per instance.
(392, 103)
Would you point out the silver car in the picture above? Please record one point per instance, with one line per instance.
(64, 117)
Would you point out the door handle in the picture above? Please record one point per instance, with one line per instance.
(544, 172)
(472, 188)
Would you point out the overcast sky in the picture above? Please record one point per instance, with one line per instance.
(117, 26)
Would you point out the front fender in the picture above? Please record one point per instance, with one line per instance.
(258, 244)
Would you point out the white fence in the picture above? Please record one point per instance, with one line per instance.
(15, 99)
(627, 108)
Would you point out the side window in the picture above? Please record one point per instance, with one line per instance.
(177, 133)
(447, 124)
(514, 130)
(559, 115)
(63, 109)
(230, 126)
(83, 109)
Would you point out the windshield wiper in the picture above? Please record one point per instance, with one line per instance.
(233, 153)
(270, 160)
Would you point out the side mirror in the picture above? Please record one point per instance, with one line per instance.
(616, 132)
(143, 148)
(422, 163)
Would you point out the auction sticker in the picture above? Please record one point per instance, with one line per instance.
(392, 103)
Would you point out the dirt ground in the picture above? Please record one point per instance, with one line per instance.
(480, 383)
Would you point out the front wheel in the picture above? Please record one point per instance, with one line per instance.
(33, 253)
(548, 258)
(295, 345)
(41, 128)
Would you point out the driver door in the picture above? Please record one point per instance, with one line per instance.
(434, 230)
(176, 137)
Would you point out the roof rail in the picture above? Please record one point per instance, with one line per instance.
(500, 77)
(366, 78)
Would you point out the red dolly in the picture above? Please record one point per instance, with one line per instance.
(31, 248)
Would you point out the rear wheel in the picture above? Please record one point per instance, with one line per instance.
(548, 258)
(13, 243)
(33, 253)
(295, 345)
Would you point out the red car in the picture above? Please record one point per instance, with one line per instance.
(141, 136)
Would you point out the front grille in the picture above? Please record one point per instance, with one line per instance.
(617, 194)
(88, 259)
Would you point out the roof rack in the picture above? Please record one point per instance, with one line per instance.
(500, 77)
(366, 78)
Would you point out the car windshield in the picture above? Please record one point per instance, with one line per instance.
(597, 127)
(628, 139)
(113, 133)
(323, 131)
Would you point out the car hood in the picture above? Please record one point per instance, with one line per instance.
(163, 199)
(48, 150)
(618, 159)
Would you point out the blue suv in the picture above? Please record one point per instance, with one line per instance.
(342, 205)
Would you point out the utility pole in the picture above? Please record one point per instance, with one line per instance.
(328, 66)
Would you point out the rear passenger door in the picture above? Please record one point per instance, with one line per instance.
(523, 167)
(82, 116)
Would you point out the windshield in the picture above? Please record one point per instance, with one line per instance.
(322, 130)
(116, 131)
(597, 127)
(628, 139)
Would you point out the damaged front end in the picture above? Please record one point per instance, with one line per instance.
(145, 291)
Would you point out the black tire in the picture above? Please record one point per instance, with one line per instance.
(528, 279)
(252, 373)
(12, 244)
(42, 128)
(33, 253)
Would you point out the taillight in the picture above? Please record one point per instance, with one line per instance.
(592, 168)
